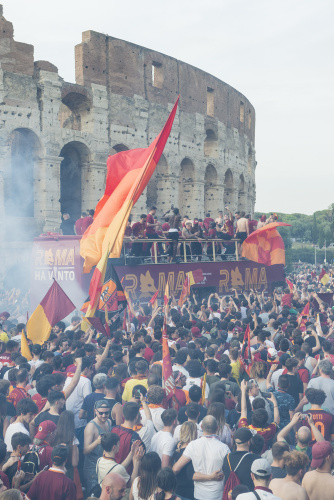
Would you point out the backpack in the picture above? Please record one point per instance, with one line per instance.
(31, 460)
(233, 479)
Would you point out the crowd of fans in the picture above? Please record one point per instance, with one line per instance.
(87, 416)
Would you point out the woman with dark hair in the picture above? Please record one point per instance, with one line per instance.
(166, 480)
(145, 484)
(217, 410)
(65, 434)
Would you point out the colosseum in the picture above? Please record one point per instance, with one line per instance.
(55, 136)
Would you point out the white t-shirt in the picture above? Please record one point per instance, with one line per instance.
(104, 465)
(36, 363)
(275, 376)
(146, 434)
(207, 455)
(11, 430)
(75, 400)
(196, 381)
(156, 418)
(178, 429)
(163, 444)
(180, 368)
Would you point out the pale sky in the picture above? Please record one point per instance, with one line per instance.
(279, 54)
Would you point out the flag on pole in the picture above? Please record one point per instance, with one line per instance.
(25, 350)
(301, 319)
(54, 307)
(111, 302)
(185, 291)
(265, 245)
(323, 277)
(195, 276)
(128, 173)
(168, 381)
(154, 300)
(97, 280)
(290, 284)
(245, 355)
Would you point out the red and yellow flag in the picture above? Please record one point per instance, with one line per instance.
(154, 299)
(195, 276)
(323, 277)
(25, 350)
(265, 245)
(128, 174)
(301, 319)
(96, 283)
(245, 354)
(54, 307)
(185, 291)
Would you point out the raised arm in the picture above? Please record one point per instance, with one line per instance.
(243, 399)
(75, 379)
(283, 434)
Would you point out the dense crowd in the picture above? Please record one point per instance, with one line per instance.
(88, 417)
(209, 237)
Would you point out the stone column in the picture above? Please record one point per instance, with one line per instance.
(47, 193)
(196, 197)
(93, 180)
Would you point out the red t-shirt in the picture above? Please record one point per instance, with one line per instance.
(86, 222)
(17, 394)
(228, 227)
(6, 360)
(5, 479)
(41, 402)
(44, 454)
(78, 226)
(150, 220)
(328, 356)
(324, 422)
(52, 484)
(286, 299)
(180, 399)
(138, 229)
(267, 433)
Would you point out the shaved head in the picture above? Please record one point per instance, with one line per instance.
(209, 424)
(113, 487)
(304, 435)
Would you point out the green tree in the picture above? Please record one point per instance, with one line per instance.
(321, 238)
(314, 230)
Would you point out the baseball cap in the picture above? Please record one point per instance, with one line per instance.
(196, 332)
(242, 435)
(101, 404)
(261, 467)
(45, 428)
(59, 454)
(272, 352)
(320, 451)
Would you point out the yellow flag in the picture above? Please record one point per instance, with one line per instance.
(25, 351)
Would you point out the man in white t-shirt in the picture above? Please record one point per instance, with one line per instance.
(207, 455)
(26, 410)
(155, 396)
(194, 369)
(75, 400)
(163, 442)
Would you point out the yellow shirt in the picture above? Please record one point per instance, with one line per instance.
(130, 384)
(236, 370)
(3, 336)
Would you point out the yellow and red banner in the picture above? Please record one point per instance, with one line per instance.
(25, 350)
(290, 284)
(323, 277)
(128, 173)
(265, 245)
(192, 277)
(54, 307)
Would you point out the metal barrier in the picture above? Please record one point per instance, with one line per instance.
(206, 243)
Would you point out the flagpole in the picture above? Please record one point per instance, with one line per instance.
(325, 253)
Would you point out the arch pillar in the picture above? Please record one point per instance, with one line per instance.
(93, 175)
(47, 193)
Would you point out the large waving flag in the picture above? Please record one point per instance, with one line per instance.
(128, 174)
(265, 245)
(25, 350)
(54, 307)
(192, 277)
(302, 319)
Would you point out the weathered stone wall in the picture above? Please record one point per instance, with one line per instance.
(55, 136)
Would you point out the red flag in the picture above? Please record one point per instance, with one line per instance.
(245, 355)
(305, 312)
(195, 276)
(128, 175)
(265, 245)
(290, 284)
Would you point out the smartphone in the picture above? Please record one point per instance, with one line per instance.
(303, 416)
(137, 394)
(227, 387)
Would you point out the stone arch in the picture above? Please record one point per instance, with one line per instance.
(211, 144)
(25, 152)
(157, 193)
(76, 155)
(228, 188)
(211, 199)
(118, 148)
(186, 186)
(242, 194)
(76, 104)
